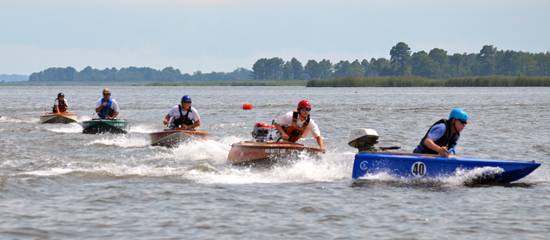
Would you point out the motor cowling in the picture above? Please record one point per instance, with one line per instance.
(363, 139)
(264, 132)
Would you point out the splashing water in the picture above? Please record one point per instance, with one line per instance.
(332, 166)
(124, 141)
(142, 129)
(459, 178)
(5, 119)
(64, 128)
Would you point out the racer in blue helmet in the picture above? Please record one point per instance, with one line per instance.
(443, 135)
(458, 113)
(183, 116)
(186, 99)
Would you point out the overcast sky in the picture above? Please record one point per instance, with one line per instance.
(221, 35)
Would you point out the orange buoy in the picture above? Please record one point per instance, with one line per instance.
(247, 106)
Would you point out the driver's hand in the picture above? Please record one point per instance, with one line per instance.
(443, 151)
(284, 136)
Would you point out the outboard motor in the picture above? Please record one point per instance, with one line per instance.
(264, 132)
(363, 139)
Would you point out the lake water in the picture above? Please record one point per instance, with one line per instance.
(56, 182)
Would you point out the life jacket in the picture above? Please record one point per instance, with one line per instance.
(183, 119)
(61, 105)
(448, 139)
(107, 110)
(293, 131)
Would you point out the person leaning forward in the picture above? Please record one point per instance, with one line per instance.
(183, 116)
(443, 135)
(295, 125)
(107, 107)
(60, 104)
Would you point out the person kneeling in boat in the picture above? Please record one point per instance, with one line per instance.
(297, 124)
(443, 135)
(183, 116)
(60, 104)
(107, 107)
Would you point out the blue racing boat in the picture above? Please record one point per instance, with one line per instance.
(370, 160)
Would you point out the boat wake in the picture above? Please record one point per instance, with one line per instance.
(142, 129)
(203, 162)
(212, 151)
(331, 167)
(125, 141)
(64, 128)
(460, 177)
(4, 119)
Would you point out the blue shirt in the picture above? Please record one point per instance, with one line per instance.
(435, 133)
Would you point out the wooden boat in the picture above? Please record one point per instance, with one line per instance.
(66, 117)
(96, 126)
(252, 152)
(172, 137)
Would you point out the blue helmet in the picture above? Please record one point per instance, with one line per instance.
(186, 99)
(458, 113)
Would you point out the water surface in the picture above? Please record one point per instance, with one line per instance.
(58, 183)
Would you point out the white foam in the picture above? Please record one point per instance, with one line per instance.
(210, 150)
(304, 169)
(142, 129)
(112, 170)
(200, 150)
(5, 119)
(64, 128)
(84, 118)
(381, 176)
(49, 172)
(462, 176)
(122, 141)
(459, 178)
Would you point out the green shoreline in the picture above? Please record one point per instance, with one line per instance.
(490, 81)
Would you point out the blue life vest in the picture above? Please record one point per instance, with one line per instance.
(107, 110)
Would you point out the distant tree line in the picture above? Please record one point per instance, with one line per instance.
(13, 77)
(145, 74)
(413, 81)
(435, 64)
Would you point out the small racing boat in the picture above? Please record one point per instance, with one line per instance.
(371, 160)
(65, 117)
(171, 137)
(266, 149)
(96, 126)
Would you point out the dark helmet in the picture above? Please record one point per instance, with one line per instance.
(186, 99)
(60, 94)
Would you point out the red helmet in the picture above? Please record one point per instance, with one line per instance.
(304, 104)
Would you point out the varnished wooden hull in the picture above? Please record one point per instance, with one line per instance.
(58, 118)
(252, 153)
(172, 137)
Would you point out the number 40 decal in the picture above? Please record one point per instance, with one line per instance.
(418, 169)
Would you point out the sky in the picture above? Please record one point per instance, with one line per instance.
(222, 35)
